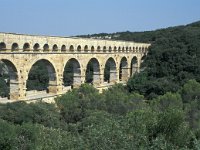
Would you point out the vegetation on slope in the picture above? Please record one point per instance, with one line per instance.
(158, 109)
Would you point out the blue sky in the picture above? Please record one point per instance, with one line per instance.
(75, 17)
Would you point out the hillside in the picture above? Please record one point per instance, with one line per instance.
(158, 109)
(173, 58)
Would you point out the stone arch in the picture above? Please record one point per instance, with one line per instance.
(79, 48)
(55, 47)
(110, 48)
(104, 49)
(46, 47)
(133, 49)
(92, 48)
(71, 48)
(134, 66)
(63, 48)
(13, 79)
(126, 48)
(26, 47)
(14, 47)
(119, 49)
(51, 71)
(2, 46)
(86, 48)
(72, 73)
(115, 48)
(123, 69)
(136, 49)
(36, 47)
(123, 49)
(98, 48)
(110, 71)
(93, 72)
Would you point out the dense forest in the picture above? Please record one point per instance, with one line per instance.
(159, 108)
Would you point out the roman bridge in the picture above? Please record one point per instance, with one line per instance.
(20, 52)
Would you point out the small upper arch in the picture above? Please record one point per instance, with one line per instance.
(86, 48)
(55, 47)
(98, 48)
(36, 47)
(63, 48)
(110, 48)
(46, 47)
(104, 48)
(14, 47)
(71, 48)
(79, 48)
(26, 47)
(92, 48)
(2, 46)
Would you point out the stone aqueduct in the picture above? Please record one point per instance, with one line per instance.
(21, 52)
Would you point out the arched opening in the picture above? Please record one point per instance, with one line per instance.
(123, 49)
(41, 77)
(130, 49)
(104, 49)
(2, 46)
(93, 72)
(55, 48)
(110, 48)
(72, 73)
(140, 49)
(79, 48)
(36, 47)
(134, 66)
(134, 49)
(127, 49)
(98, 49)
(86, 48)
(26, 47)
(123, 70)
(71, 48)
(110, 71)
(63, 48)
(143, 50)
(92, 49)
(115, 48)
(46, 47)
(15, 47)
(8, 80)
(119, 49)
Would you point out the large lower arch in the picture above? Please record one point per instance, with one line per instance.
(123, 69)
(72, 73)
(134, 66)
(42, 72)
(11, 80)
(93, 72)
(110, 71)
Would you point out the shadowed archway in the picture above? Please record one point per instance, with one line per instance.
(93, 72)
(72, 73)
(9, 79)
(134, 66)
(42, 76)
(110, 71)
(123, 69)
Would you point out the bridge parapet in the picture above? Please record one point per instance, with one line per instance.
(30, 43)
